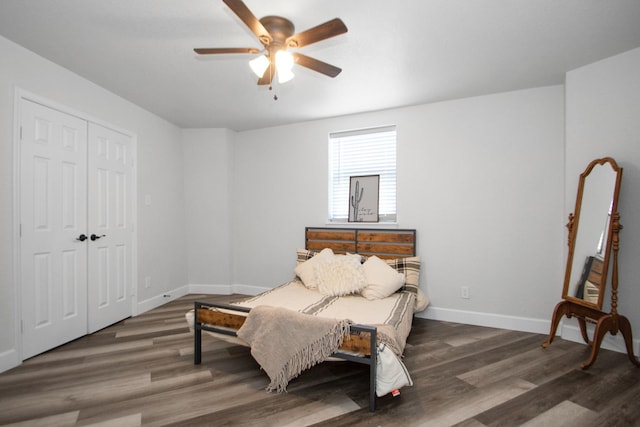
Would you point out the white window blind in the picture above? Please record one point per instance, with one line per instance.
(362, 152)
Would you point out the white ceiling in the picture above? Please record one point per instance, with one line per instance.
(396, 53)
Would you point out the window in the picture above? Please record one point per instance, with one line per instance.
(362, 152)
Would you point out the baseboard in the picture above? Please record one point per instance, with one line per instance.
(567, 329)
(570, 331)
(161, 299)
(168, 296)
(9, 359)
(210, 289)
(490, 320)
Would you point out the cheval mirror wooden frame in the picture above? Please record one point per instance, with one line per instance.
(593, 243)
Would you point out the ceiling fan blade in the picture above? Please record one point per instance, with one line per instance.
(250, 20)
(316, 65)
(223, 50)
(266, 78)
(329, 29)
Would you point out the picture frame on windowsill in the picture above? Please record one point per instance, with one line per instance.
(364, 198)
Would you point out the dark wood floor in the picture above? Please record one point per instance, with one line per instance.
(140, 372)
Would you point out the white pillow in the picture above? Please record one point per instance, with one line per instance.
(340, 275)
(382, 279)
(306, 271)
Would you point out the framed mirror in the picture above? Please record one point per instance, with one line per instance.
(590, 233)
(594, 239)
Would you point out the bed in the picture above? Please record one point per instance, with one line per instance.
(369, 325)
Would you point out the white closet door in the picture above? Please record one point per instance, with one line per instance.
(110, 181)
(53, 210)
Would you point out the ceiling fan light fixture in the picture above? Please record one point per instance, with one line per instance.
(259, 65)
(284, 60)
(284, 64)
(285, 76)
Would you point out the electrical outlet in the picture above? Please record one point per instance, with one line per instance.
(147, 282)
(464, 292)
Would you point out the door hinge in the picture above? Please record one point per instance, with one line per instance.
(20, 133)
(22, 326)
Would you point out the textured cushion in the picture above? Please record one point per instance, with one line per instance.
(306, 270)
(340, 275)
(382, 279)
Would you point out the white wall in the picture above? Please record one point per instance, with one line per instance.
(487, 182)
(481, 179)
(603, 119)
(161, 243)
(208, 158)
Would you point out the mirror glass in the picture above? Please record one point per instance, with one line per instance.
(590, 235)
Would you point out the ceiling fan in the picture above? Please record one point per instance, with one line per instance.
(276, 34)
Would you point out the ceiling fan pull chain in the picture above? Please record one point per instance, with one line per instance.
(275, 95)
(270, 70)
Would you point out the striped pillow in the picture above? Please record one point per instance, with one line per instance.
(410, 267)
(304, 254)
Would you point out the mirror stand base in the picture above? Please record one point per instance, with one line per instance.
(605, 322)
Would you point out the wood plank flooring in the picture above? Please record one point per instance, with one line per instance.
(140, 372)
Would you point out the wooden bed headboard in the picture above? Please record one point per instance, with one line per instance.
(384, 243)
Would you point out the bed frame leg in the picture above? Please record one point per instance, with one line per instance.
(373, 371)
(197, 339)
(197, 351)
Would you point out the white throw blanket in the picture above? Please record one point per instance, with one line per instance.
(286, 342)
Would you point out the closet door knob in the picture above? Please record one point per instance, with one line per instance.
(81, 237)
(94, 237)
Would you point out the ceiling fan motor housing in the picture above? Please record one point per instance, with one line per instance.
(279, 28)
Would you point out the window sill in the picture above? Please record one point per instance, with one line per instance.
(362, 224)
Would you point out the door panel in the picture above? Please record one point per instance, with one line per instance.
(110, 183)
(53, 202)
(75, 179)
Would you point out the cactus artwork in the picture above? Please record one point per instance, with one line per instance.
(355, 200)
(363, 198)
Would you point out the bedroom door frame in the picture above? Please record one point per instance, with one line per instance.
(21, 95)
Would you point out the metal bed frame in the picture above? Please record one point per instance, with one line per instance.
(361, 347)
(367, 358)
